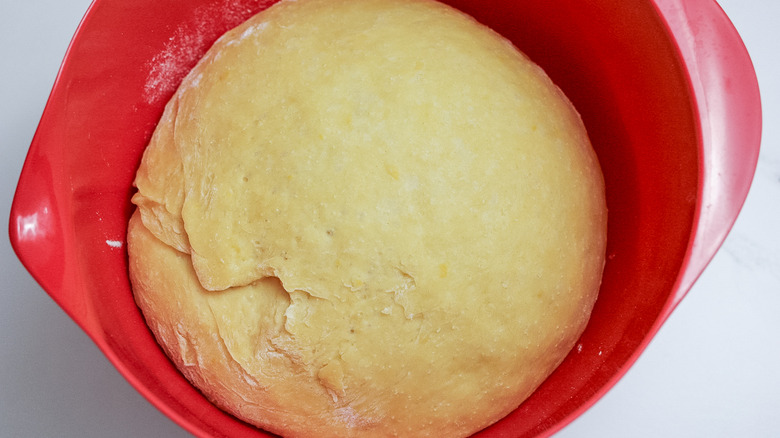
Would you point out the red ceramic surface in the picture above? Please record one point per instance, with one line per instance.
(665, 87)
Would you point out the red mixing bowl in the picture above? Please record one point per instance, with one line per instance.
(665, 87)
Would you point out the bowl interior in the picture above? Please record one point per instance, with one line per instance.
(614, 60)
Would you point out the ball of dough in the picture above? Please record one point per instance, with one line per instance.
(367, 218)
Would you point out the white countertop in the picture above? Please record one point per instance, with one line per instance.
(712, 370)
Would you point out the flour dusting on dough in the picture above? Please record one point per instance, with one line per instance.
(168, 67)
(190, 41)
(251, 30)
(351, 418)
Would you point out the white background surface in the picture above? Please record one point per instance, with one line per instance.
(712, 371)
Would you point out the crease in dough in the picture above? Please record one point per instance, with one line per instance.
(223, 346)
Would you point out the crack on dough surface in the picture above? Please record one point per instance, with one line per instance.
(401, 292)
(235, 363)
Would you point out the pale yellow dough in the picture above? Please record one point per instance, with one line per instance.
(367, 218)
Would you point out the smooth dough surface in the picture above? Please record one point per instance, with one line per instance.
(367, 218)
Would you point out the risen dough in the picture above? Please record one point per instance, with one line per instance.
(367, 218)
